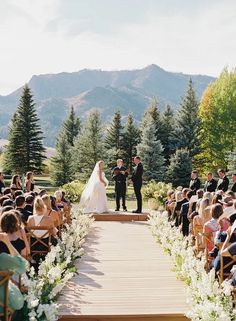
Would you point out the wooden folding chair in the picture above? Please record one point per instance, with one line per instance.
(67, 213)
(207, 239)
(223, 265)
(5, 277)
(35, 240)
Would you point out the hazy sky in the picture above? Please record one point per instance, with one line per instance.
(50, 36)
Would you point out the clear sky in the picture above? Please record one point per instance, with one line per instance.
(50, 36)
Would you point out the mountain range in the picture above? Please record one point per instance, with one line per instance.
(107, 91)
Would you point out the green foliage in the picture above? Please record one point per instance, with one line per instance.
(72, 127)
(89, 147)
(167, 132)
(179, 170)
(231, 163)
(73, 191)
(155, 190)
(114, 140)
(151, 152)
(131, 138)
(218, 119)
(188, 123)
(62, 163)
(25, 151)
(154, 113)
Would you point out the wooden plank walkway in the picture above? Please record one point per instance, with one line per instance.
(124, 275)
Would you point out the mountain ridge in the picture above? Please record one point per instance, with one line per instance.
(126, 90)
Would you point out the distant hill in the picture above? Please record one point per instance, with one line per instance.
(107, 91)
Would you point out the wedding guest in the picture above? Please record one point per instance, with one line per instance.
(2, 184)
(233, 187)
(228, 206)
(8, 202)
(7, 191)
(11, 225)
(6, 209)
(176, 211)
(212, 226)
(204, 213)
(16, 264)
(29, 203)
(3, 198)
(16, 183)
(195, 183)
(170, 203)
(216, 198)
(29, 183)
(184, 222)
(20, 206)
(223, 182)
(211, 183)
(50, 212)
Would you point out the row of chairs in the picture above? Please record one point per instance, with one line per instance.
(44, 242)
(202, 241)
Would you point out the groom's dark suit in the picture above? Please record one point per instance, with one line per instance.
(137, 179)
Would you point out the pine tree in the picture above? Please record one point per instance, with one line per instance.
(188, 122)
(179, 170)
(167, 132)
(62, 162)
(151, 152)
(89, 146)
(131, 138)
(72, 127)
(25, 151)
(153, 111)
(114, 140)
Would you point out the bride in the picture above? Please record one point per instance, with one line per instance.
(93, 198)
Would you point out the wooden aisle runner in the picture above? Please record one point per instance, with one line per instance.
(124, 275)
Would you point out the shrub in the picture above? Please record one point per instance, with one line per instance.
(158, 191)
(73, 191)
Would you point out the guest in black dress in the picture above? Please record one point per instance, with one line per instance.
(29, 183)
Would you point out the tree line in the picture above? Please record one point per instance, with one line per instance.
(199, 135)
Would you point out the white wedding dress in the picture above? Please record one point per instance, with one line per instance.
(94, 198)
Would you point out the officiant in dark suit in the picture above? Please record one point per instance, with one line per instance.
(119, 175)
(137, 179)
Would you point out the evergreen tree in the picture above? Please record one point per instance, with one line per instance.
(188, 122)
(153, 111)
(180, 168)
(131, 138)
(167, 132)
(151, 152)
(62, 162)
(89, 146)
(113, 140)
(25, 151)
(72, 127)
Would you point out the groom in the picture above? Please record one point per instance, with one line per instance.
(119, 175)
(137, 179)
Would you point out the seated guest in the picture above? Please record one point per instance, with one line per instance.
(211, 183)
(3, 198)
(42, 192)
(58, 197)
(195, 183)
(29, 203)
(20, 206)
(212, 226)
(223, 182)
(17, 265)
(8, 202)
(217, 198)
(231, 194)
(170, 203)
(2, 184)
(178, 198)
(50, 212)
(184, 222)
(228, 206)
(204, 213)
(178, 205)
(40, 218)
(29, 183)
(7, 191)
(18, 193)
(54, 205)
(233, 187)
(6, 209)
(11, 225)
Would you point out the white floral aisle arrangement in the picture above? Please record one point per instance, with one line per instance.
(207, 300)
(55, 271)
